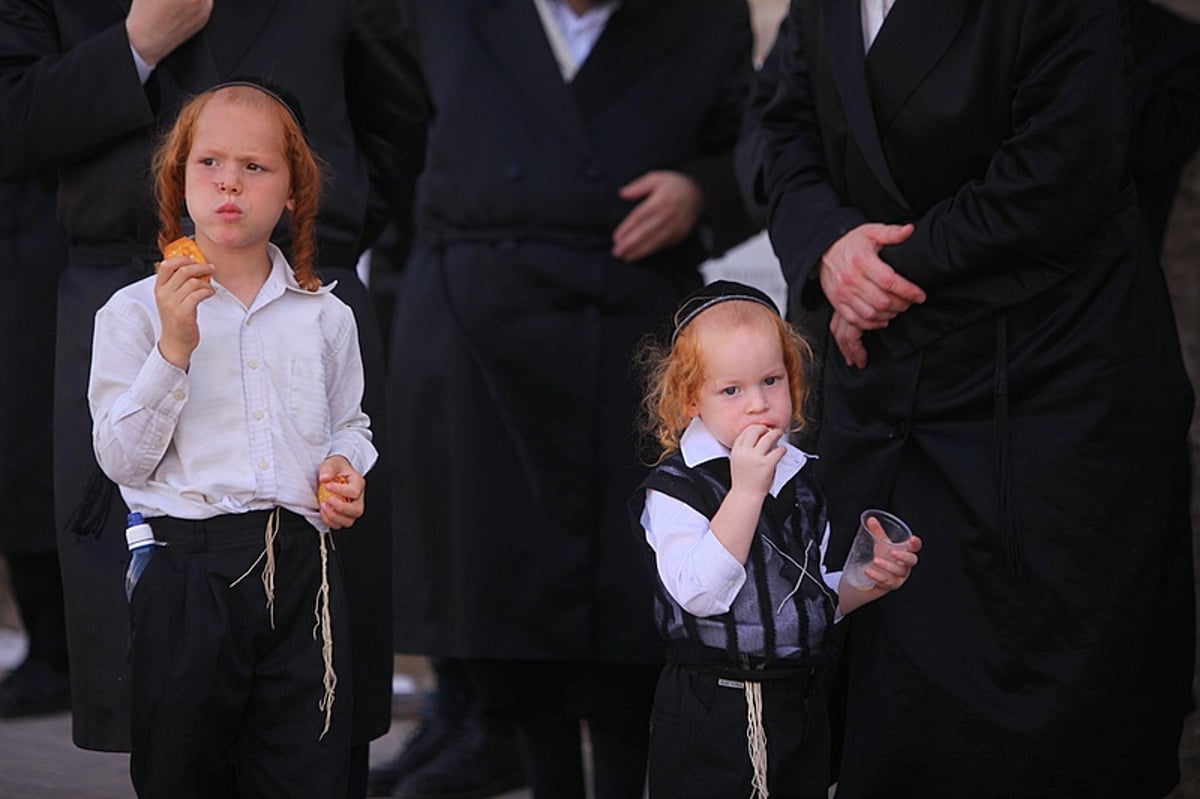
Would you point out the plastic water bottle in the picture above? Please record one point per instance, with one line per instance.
(140, 539)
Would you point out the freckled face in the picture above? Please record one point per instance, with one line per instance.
(237, 180)
(745, 379)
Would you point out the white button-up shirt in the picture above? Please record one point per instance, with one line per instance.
(873, 14)
(270, 392)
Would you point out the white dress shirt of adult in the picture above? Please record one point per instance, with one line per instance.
(271, 391)
(874, 12)
(695, 568)
(572, 35)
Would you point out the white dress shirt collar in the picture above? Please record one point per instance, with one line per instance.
(572, 36)
(873, 14)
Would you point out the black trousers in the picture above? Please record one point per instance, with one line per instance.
(220, 688)
(698, 743)
(547, 700)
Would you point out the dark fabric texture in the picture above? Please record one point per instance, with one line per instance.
(219, 677)
(547, 701)
(1028, 420)
(698, 746)
(512, 400)
(33, 253)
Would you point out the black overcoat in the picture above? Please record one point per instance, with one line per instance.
(33, 253)
(1028, 420)
(73, 103)
(513, 399)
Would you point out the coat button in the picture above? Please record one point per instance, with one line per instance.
(513, 172)
(592, 172)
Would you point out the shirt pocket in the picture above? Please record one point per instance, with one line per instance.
(308, 401)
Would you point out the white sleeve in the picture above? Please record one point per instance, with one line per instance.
(695, 568)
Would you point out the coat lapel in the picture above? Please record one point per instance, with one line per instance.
(512, 33)
(240, 23)
(207, 59)
(913, 38)
(636, 38)
(845, 46)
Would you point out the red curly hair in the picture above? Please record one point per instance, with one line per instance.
(674, 374)
(170, 166)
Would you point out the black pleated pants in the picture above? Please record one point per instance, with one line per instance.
(217, 687)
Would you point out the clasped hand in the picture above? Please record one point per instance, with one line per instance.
(865, 292)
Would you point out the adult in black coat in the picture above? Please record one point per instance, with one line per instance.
(33, 253)
(530, 281)
(1006, 376)
(74, 102)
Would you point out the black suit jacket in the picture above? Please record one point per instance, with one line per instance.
(513, 403)
(33, 254)
(1029, 419)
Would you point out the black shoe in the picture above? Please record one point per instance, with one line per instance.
(477, 763)
(422, 746)
(34, 689)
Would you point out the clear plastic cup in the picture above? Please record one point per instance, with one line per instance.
(865, 545)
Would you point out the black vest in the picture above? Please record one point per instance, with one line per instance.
(784, 612)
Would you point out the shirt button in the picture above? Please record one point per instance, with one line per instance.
(264, 465)
(178, 395)
(259, 415)
(253, 363)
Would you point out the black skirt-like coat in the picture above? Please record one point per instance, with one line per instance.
(512, 394)
(1028, 420)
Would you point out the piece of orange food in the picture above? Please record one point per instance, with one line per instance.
(323, 492)
(185, 246)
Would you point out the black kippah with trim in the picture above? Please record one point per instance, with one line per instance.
(272, 89)
(715, 293)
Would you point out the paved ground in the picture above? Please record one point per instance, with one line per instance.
(38, 761)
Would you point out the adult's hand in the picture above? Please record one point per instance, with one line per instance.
(860, 286)
(156, 27)
(668, 206)
(849, 341)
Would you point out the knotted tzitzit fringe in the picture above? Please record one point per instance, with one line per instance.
(268, 573)
(756, 739)
(325, 626)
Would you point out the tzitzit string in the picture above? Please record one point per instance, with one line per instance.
(324, 623)
(756, 739)
(325, 626)
(268, 573)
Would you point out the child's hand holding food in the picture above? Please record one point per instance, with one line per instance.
(340, 490)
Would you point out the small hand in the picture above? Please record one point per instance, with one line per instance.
(668, 206)
(754, 456)
(179, 288)
(892, 564)
(346, 489)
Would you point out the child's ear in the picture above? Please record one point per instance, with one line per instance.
(290, 204)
